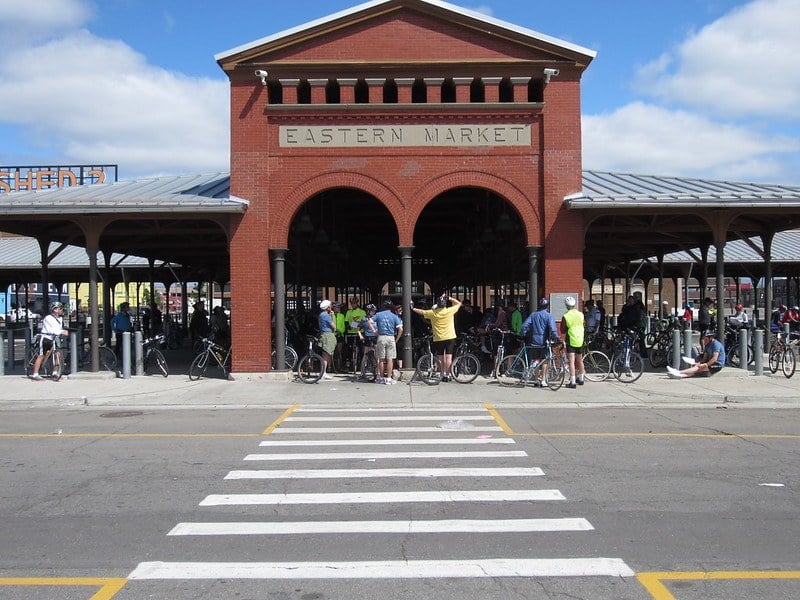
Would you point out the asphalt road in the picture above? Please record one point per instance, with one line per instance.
(603, 503)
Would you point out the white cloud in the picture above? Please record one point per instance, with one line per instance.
(645, 138)
(23, 21)
(91, 100)
(741, 64)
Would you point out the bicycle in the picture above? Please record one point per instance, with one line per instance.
(501, 351)
(289, 356)
(429, 368)
(781, 355)
(312, 366)
(108, 359)
(153, 355)
(516, 370)
(220, 355)
(627, 364)
(465, 367)
(731, 344)
(53, 362)
(369, 362)
(596, 364)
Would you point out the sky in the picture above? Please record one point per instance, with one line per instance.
(690, 88)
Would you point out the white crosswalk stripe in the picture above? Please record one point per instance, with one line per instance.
(455, 431)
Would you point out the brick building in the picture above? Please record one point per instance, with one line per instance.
(428, 143)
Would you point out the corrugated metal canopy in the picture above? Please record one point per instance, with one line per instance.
(206, 193)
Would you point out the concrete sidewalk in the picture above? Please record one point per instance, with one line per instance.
(731, 389)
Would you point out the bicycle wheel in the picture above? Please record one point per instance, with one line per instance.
(554, 378)
(198, 367)
(465, 368)
(659, 356)
(630, 372)
(774, 359)
(289, 358)
(596, 366)
(511, 372)
(788, 363)
(161, 362)
(56, 364)
(30, 359)
(108, 360)
(311, 368)
(369, 367)
(733, 357)
(429, 369)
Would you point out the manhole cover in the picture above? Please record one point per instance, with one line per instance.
(122, 413)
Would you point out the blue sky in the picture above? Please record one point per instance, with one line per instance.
(695, 88)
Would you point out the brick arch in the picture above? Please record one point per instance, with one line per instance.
(523, 204)
(279, 237)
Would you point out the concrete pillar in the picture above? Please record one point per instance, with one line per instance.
(406, 349)
(279, 282)
(534, 253)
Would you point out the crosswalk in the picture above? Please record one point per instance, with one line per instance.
(458, 469)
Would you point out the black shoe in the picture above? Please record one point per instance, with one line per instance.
(580, 382)
(571, 386)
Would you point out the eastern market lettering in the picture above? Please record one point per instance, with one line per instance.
(16, 181)
(405, 135)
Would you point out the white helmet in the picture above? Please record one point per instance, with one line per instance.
(569, 301)
(325, 304)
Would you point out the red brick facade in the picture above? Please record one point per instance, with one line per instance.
(401, 41)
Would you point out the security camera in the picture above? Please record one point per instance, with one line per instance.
(262, 75)
(548, 73)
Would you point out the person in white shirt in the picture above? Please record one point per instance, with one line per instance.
(740, 319)
(52, 327)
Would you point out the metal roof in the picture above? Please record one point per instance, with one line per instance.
(24, 253)
(204, 193)
(618, 190)
(785, 248)
(437, 3)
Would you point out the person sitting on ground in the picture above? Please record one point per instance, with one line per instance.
(710, 362)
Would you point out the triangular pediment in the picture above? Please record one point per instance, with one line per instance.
(405, 32)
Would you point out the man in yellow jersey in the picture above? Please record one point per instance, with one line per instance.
(572, 324)
(442, 318)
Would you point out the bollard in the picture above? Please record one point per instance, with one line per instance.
(786, 331)
(137, 344)
(688, 349)
(758, 348)
(73, 352)
(126, 355)
(676, 349)
(743, 348)
(11, 352)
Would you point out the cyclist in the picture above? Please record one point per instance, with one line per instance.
(710, 362)
(52, 327)
(572, 324)
(367, 331)
(353, 318)
(120, 323)
(442, 318)
(327, 330)
(538, 328)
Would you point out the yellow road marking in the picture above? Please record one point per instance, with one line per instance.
(653, 582)
(280, 419)
(109, 586)
(500, 420)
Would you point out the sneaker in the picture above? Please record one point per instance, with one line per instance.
(688, 360)
(672, 370)
(579, 382)
(675, 375)
(445, 378)
(485, 350)
(390, 381)
(380, 380)
(326, 376)
(571, 386)
(537, 383)
(36, 377)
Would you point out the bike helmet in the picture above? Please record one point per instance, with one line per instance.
(325, 304)
(387, 305)
(55, 305)
(442, 301)
(543, 303)
(739, 307)
(569, 301)
(371, 308)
